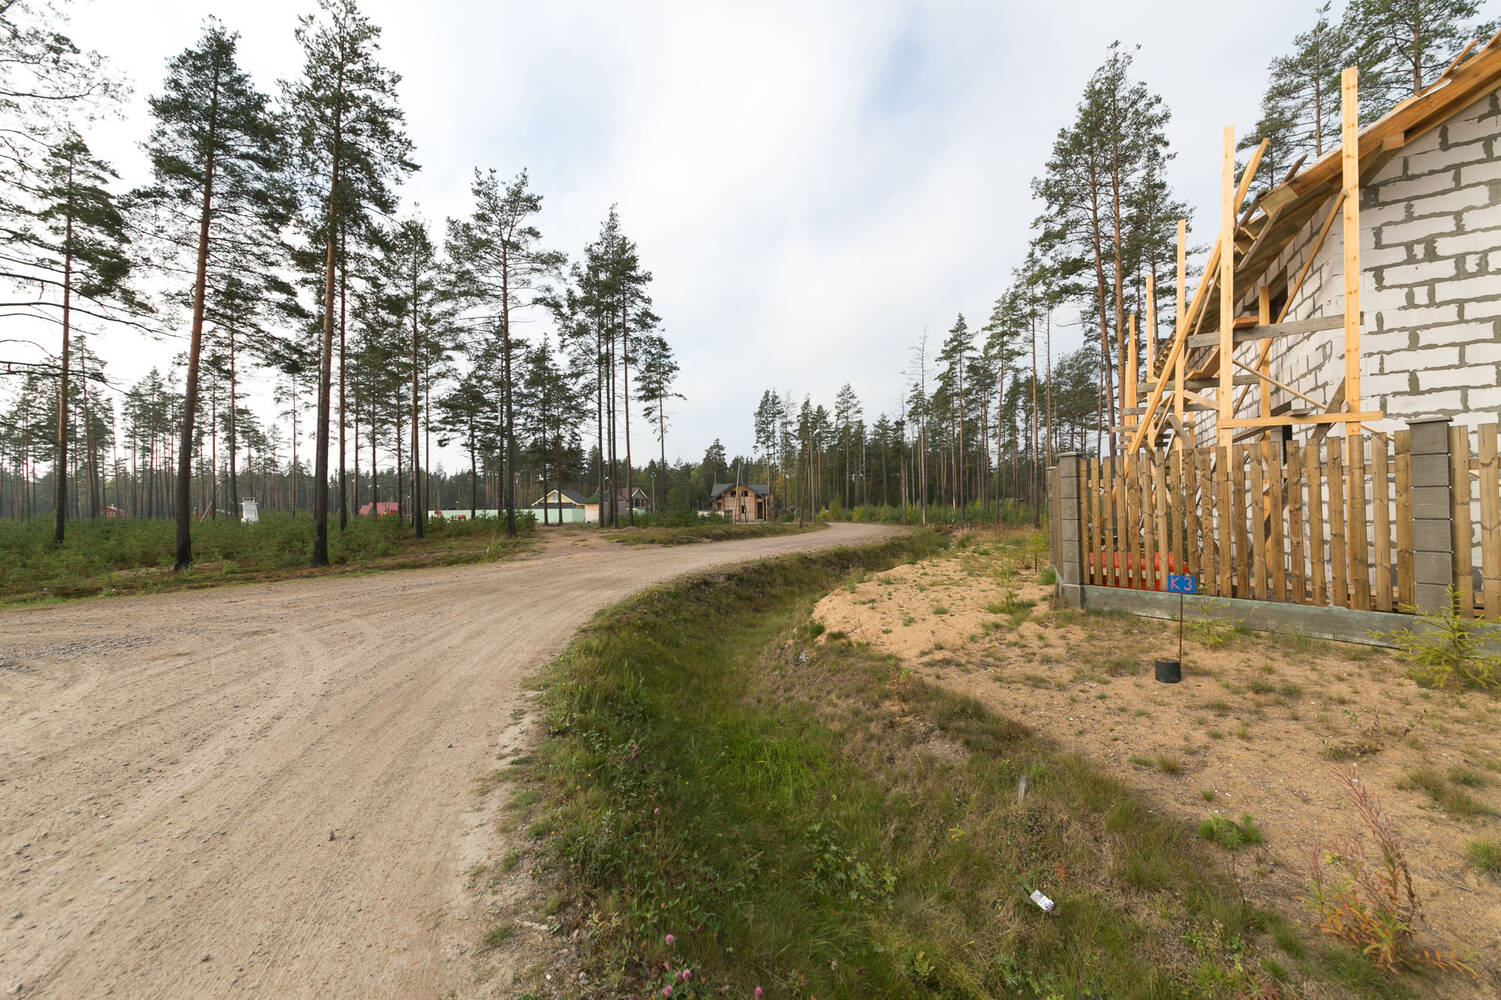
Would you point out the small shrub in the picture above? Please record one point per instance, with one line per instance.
(1445, 648)
(1048, 577)
(1369, 900)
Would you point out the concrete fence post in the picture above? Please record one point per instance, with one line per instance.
(1432, 514)
(1070, 562)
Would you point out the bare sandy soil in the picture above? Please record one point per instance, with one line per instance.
(1260, 725)
(270, 790)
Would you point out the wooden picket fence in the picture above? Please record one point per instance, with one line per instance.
(1329, 524)
(1475, 479)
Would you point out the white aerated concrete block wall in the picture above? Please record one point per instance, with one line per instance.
(1430, 283)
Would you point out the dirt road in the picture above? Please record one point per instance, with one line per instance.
(266, 790)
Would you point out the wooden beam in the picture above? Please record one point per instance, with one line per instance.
(1336, 402)
(1200, 296)
(1291, 419)
(1227, 279)
(1266, 403)
(1190, 396)
(1295, 328)
(1350, 159)
(1178, 318)
(1263, 364)
(1149, 327)
(1132, 373)
(1203, 406)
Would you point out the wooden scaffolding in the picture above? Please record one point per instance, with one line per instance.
(1196, 377)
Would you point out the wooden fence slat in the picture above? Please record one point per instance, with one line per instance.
(1276, 543)
(1295, 522)
(1092, 474)
(1256, 505)
(1107, 523)
(1459, 478)
(1211, 545)
(1122, 531)
(1193, 544)
(1099, 539)
(1403, 461)
(1238, 521)
(1224, 514)
(1339, 594)
(1316, 566)
(1107, 538)
(1357, 524)
(1177, 519)
(1381, 521)
(1133, 516)
(1490, 521)
(1165, 545)
(1150, 545)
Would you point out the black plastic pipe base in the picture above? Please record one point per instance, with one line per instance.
(1169, 671)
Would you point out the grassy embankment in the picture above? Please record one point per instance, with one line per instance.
(120, 557)
(814, 820)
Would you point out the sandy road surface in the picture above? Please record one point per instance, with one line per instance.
(262, 791)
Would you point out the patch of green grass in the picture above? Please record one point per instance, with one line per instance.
(107, 557)
(1455, 801)
(1485, 855)
(500, 934)
(1207, 794)
(806, 840)
(1229, 834)
(1461, 775)
(1168, 765)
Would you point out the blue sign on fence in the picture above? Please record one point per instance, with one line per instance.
(1177, 584)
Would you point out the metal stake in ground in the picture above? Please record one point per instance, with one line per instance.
(1171, 671)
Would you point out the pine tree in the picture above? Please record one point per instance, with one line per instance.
(48, 89)
(659, 373)
(215, 147)
(75, 249)
(1402, 44)
(500, 269)
(1106, 202)
(411, 284)
(1300, 109)
(350, 133)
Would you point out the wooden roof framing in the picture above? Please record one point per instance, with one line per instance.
(1260, 233)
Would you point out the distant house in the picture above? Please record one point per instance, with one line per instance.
(741, 502)
(382, 509)
(560, 507)
(634, 499)
(115, 513)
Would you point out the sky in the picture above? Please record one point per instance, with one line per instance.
(813, 185)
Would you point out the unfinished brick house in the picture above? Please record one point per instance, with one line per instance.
(1429, 341)
(1323, 426)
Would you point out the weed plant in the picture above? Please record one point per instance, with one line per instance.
(1360, 886)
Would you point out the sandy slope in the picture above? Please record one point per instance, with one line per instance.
(265, 790)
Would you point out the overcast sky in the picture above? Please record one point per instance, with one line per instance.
(812, 184)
